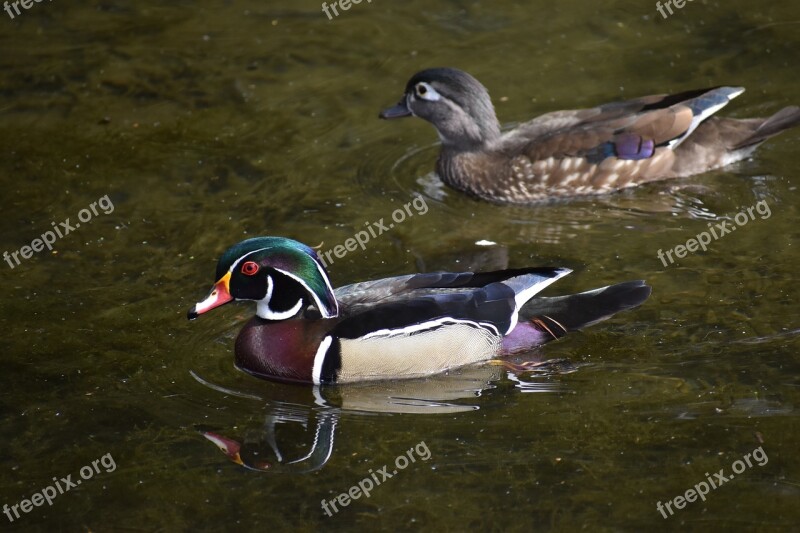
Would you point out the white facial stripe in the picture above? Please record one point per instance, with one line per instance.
(322, 309)
(317, 301)
(426, 326)
(235, 263)
(264, 311)
(319, 358)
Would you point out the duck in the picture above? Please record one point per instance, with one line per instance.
(581, 152)
(408, 326)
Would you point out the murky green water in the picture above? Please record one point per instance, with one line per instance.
(208, 122)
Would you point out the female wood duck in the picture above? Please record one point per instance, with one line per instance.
(587, 151)
(403, 327)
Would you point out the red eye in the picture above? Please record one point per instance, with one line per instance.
(250, 268)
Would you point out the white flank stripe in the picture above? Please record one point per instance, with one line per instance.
(318, 399)
(426, 326)
(319, 358)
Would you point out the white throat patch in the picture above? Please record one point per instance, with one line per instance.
(264, 311)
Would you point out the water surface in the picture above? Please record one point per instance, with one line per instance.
(206, 123)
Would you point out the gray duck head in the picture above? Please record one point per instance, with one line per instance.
(456, 104)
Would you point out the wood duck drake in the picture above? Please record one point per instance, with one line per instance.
(402, 327)
(586, 151)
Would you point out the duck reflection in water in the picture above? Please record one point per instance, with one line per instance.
(298, 435)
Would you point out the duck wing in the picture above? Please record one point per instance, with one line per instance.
(358, 297)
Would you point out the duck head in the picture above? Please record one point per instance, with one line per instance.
(456, 104)
(282, 276)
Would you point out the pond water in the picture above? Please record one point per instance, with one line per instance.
(194, 125)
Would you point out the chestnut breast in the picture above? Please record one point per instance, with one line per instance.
(282, 350)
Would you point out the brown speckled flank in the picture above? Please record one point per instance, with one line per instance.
(580, 152)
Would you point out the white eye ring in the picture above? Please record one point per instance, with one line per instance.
(424, 91)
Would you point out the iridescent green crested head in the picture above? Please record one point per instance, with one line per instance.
(281, 275)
